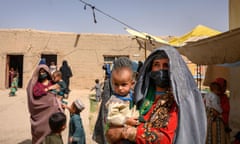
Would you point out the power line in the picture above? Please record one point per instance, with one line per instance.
(102, 12)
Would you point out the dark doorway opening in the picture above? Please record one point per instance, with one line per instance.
(15, 62)
(49, 58)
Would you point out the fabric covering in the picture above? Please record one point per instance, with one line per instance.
(215, 130)
(119, 110)
(192, 124)
(40, 109)
(98, 132)
(219, 49)
(199, 32)
(213, 101)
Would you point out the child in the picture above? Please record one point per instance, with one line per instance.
(97, 88)
(11, 74)
(57, 123)
(14, 85)
(52, 67)
(213, 100)
(76, 130)
(62, 91)
(120, 105)
(215, 126)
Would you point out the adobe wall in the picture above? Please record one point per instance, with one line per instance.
(84, 52)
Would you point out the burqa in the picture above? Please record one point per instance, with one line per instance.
(66, 73)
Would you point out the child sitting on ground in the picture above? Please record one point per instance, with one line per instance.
(57, 123)
(120, 105)
(76, 130)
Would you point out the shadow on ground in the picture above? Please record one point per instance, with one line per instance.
(28, 141)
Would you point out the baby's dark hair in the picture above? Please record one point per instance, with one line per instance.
(215, 86)
(122, 62)
(57, 121)
(96, 80)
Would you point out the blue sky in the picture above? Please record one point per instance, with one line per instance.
(157, 17)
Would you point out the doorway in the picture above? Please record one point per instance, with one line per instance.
(15, 62)
(49, 58)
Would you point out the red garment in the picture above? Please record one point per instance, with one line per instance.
(162, 135)
(38, 89)
(236, 142)
(225, 107)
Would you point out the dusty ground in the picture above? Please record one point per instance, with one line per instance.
(15, 123)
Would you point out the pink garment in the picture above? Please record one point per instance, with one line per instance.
(39, 89)
(40, 109)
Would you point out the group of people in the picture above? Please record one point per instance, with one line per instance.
(163, 105)
(45, 92)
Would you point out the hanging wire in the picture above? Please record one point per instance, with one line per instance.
(100, 11)
(94, 16)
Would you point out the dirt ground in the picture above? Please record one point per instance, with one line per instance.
(15, 122)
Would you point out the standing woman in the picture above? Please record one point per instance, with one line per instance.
(66, 73)
(225, 105)
(41, 103)
(170, 104)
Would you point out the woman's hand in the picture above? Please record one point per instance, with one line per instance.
(114, 134)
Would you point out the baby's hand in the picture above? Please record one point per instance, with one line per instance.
(132, 121)
(64, 106)
(55, 86)
(70, 139)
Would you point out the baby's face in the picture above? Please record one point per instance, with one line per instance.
(122, 81)
(56, 78)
